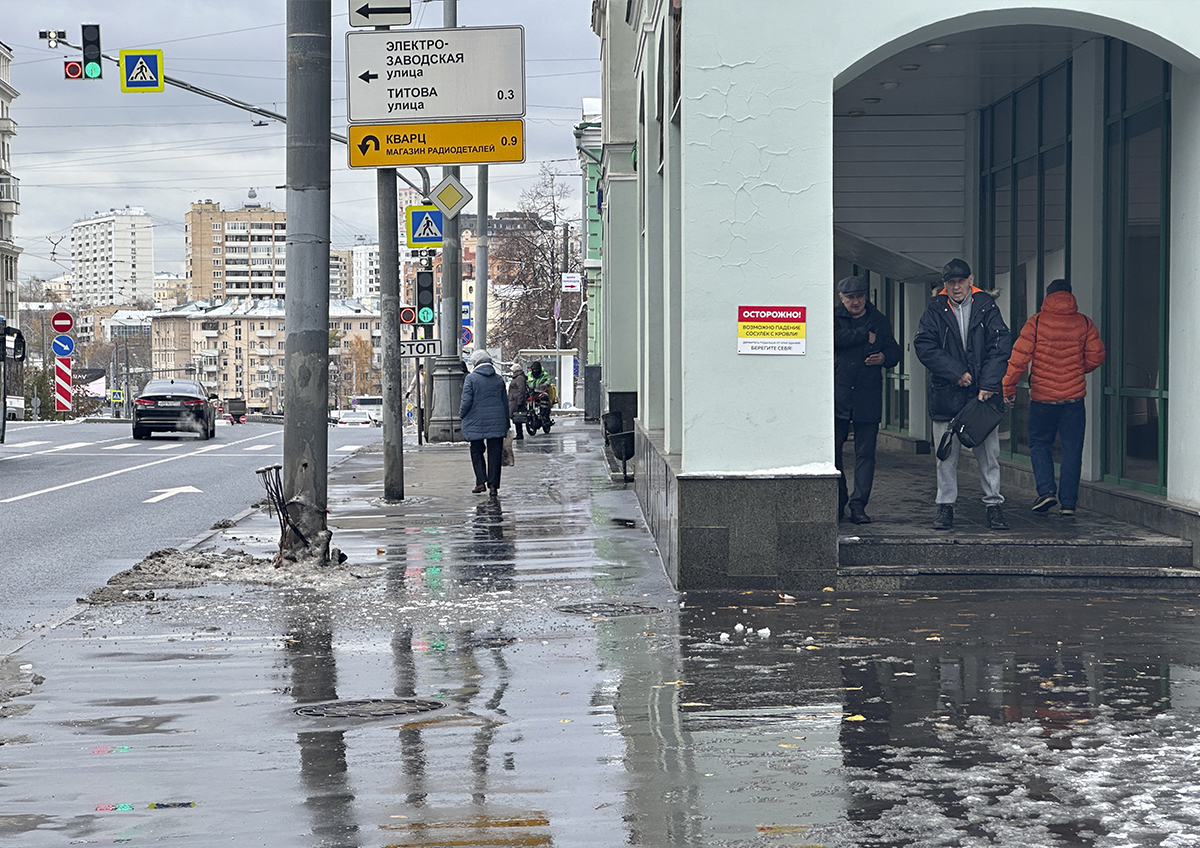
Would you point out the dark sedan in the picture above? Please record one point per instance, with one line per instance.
(174, 406)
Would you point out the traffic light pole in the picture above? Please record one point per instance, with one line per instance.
(389, 304)
(256, 110)
(448, 375)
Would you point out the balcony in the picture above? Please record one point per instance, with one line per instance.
(265, 334)
(209, 369)
(209, 353)
(210, 334)
(8, 126)
(10, 194)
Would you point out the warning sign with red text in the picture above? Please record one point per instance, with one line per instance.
(774, 330)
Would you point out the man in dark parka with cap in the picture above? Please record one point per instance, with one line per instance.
(863, 345)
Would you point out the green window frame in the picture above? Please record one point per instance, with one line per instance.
(1025, 211)
(1133, 420)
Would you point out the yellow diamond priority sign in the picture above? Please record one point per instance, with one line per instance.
(450, 196)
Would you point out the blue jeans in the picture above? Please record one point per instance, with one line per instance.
(1068, 421)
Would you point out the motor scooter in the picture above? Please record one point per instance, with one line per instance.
(537, 407)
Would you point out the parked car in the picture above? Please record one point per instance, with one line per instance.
(354, 418)
(174, 406)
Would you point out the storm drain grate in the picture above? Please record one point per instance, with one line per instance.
(370, 708)
(608, 610)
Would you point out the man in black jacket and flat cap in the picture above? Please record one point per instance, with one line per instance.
(863, 345)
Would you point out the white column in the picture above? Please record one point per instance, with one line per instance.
(1183, 408)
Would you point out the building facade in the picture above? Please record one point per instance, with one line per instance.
(10, 191)
(235, 253)
(753, 166)
(237, 348)
(112, 256)
(341, 263)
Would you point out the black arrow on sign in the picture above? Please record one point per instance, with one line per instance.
(367, 76)
(363, 145)
(366, 10)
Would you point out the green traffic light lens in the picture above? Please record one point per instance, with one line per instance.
(425, 315)
(91, 70)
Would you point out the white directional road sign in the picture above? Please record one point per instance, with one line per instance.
(421, 347)
(380, 12)
(427, 75)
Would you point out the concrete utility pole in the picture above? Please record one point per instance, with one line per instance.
(444, 425)
(481, 259)
(389, 304)
(305, 422)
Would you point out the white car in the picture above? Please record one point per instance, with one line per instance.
(354, 418)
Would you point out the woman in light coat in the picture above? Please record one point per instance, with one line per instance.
(485, 420)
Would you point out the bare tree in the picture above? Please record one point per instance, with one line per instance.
(530, 251)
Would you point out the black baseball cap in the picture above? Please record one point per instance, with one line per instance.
(1057, 286)
(853, 285)
(955, 269)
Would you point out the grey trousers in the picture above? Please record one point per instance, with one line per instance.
(988, 457)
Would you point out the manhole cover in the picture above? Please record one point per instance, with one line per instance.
(370, 708)
(608, 610)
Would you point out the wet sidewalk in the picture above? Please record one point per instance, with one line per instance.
(521, 673)
(900, 550)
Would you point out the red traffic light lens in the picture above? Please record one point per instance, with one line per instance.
(73, 69)
(408, 315)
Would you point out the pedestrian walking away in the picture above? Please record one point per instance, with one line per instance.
(1060, 346)
(517, 391)
(485, 420)
(863, 345)
(964, 344)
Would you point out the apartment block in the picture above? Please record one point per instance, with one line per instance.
(235, 253)
(112, 254)
(10, 196)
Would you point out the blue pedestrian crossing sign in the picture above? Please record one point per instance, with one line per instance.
(142, 70)
(424, 226)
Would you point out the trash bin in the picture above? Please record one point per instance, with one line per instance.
(622, 448)
(612, 423)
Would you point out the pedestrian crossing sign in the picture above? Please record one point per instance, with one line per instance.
(424, 226)
(142, 70)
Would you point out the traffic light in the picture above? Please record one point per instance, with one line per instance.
(73, 69)
(408, 315)
(425, 311)
(91, 51)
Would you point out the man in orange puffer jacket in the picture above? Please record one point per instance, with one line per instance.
(1063, 345)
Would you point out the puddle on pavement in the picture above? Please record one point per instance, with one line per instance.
(734, 721)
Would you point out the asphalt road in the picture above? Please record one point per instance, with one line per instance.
(82, 501)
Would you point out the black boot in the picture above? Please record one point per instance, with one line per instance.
(995, 518)
(858, 515)
(945, 517)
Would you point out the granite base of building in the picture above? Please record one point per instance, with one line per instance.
(719, 532)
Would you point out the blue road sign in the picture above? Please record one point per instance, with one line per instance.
(64, 345)
(424, 226)
(142, 70)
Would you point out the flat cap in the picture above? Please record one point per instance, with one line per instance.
(955, 269)
(853, 285)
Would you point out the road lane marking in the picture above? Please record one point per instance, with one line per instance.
(164, 447)
(71, 446)
(348, 448)
(258, 447)
(166, 493)
(122, 446)
(120, 471)
(27, 444)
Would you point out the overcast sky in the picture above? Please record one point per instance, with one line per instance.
(84, 146)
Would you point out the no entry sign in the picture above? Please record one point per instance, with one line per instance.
(62, 322)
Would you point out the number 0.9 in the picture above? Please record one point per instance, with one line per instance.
(508, 141)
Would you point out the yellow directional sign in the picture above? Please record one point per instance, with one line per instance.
(455, 143)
